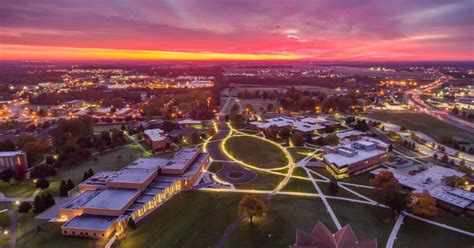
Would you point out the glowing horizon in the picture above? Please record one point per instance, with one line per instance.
(326, 30)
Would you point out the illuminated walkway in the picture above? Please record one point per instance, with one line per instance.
(225, 131)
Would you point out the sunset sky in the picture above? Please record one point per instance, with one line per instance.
(237, 29)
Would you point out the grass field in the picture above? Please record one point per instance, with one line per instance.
(278, 227)
(20, 189)
(298, 153)
(52, 238)
(264, 181)
(195, 219)
(105, 127)
(215, 167)
(367, 221)
(414, 233)
(424, 123)
(299, 185)
(256, 152)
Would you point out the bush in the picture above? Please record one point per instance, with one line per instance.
(24, 207)
(42, 183)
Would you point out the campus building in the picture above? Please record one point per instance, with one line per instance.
(12, 160)
(353, 157)
(321, 236)
(307, 125)
(432, 180)
(156, 138)
(109, 199)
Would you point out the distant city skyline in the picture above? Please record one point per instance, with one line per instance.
(349, 30)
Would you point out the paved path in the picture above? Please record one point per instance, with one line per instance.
(396, 228)
(439, 224)
(12, 229)
(228, 231)
(325, 201)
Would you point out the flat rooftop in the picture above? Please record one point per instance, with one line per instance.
(340, 160)
(147, 163)
(181, 159)
(112, 199)
(91, 222)
(9, 154)
(155, 134)
(80, 200)
(132, 175)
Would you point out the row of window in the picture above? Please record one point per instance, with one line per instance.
(83, 233)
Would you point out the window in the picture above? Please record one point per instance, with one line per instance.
(73, 232)
(103, 235)
(65, 232)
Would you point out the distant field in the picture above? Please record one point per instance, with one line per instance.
(424, 123)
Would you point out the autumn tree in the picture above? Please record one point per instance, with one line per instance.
(423, 204)
(331, 139)
(297, 139)
(252, 206)
(389, 191)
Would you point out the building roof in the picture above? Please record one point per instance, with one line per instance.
(112, 199)
(431, 180)
(341, 160)
(132, 175)
(91, 222)
(11, 153)
(155, 134)
(189, 121)
(80, 200)
(181, 160)
(321, 236)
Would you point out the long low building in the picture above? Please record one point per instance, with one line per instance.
(354, 157)
(307, 125)
(109, 199)
(432, 180)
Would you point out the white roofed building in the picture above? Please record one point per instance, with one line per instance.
(157, 139)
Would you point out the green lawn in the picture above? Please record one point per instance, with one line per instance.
(106, 127)
(278, 227)
(194, 219)
(264, 181)
(215, 167)
(51, 237)
(367, 221)
(4, 218)
(20, 189)
(298, 153)
(424, 123)
(256, 152)
(415, 233)
(299, 185)
(107, 161)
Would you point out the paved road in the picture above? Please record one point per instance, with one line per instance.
(12, 229)
(396, 228)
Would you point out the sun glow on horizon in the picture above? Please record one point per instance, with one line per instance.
(25, 52)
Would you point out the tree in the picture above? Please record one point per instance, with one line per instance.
(42, 183)
(423, 204)
(38, 204)
(297, 139)
(131, 224)
(90, 172)
(252, 206)
(333, 187)
(24, 207)
(34, 151)
(331, 139)
(383, 178)
(389, 191)
(361, 125)
(269, 107)
(63, 188)
(70, 184)
(454, 181)
(195, 138)
(7, 175)
(285, 133)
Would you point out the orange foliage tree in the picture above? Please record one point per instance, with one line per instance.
(423, 204)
